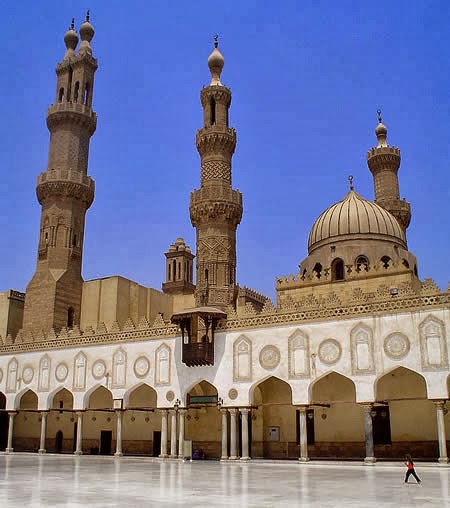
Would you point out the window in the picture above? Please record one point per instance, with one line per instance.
(76, 91)
(86, 94)
(206, 276)
(70, 317)
(318, 270)
(362, 264)
(212, 106)
(61, 94)
(405, 263)
(385, 260)
(337, 269)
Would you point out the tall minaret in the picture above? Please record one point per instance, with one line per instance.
(384, 161)
(216, 209)
(65, 191)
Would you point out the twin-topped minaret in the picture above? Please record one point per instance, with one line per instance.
(65, 191)
(384, 161)
(216, 208)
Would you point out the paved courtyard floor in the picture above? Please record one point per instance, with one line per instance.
(28, 480)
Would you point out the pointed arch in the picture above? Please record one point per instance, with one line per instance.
(298, 355)
(332, 386)
(60, 394)
(11, 375)
(100, 398)
(119, 368)
(163, 362)
(202, 387)
(400, 383)
(44, 373)
(140, 395)
(79, 371)
(271, 389)
(361, 340)
(26, 399)
(88, 394)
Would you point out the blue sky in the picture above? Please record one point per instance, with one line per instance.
(307, 78)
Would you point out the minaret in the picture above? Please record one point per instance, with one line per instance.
(179, 269)
(65, 191)
(384, 161)
(216, 209)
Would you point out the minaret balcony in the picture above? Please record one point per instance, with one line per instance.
(71, 112)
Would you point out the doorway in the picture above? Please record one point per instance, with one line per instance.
(156, 443)
(105, 442)
(59, 441)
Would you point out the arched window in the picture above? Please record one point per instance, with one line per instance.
(337, 269)
(212, 106)
(86, 94)
(385, 260)
(61, 94)
(74, 241)
(179, 270)
(362, 264)
(206, 275)
(405, 263)
(170, 272)
(70, 317)
(76, 91)
(318, 269)
(174, 274)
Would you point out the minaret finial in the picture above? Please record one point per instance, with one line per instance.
(215, 63)
(88, 15)
(350, 181)
(72, 25)
(216, 41)
(379, 115)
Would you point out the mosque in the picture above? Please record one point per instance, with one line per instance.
(350, 362)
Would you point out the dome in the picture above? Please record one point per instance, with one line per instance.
(355, 218)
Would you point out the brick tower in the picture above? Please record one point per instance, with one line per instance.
(215, 208)
(65, 191)
(384, 161)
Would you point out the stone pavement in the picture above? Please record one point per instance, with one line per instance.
(31, 480)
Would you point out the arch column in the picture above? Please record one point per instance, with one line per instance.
(163, 453)
(303, 431)
(224, 434)
(43, 432)
(443, 458)
(9, 448)
(244, 427)
(368, 434)
(233, 434)
(182, 413)
(173, 433)
(119, 416)
(79, 445)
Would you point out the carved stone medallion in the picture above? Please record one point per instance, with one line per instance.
(27, 374)
(99, 369)
(396, 346)
(141, 366)
(170, 395)
(232, 393)
(61, 372)
(269, 357)
(329, 351)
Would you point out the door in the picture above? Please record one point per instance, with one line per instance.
(156, 443)
(59, 442)
(105, 442)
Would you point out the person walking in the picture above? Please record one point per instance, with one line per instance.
(410, 471)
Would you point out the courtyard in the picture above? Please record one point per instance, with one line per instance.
(31, 480)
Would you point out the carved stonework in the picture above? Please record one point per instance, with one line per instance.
(119, 369)
(329, 351)
(233, 394)
(99, 369)
(79, 372)
(170, 395)
(269, 357)
(162, 365)
(11, 376)
(141, 366)
(44, 374)
(27, 374)
(433, 344)
(396, 346)
(361, 339)
(298, 354)
(242, 359)
(61, 372)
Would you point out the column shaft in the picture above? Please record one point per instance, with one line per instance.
(173, 434)
(182, 413)
(163, 433)
(244, 429)
(224, 434)
(43, 431)
(119, 415)
(233, 434)
(443, 458)
(9, 448)
(368, 434)
(79, 445)
(303, 431)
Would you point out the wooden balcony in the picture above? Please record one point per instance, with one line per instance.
(197, 354)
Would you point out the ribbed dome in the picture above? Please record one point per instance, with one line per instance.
(354, 216)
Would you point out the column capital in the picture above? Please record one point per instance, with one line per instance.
(303, 408)
(182, 411)
(224, 411)
(13, 413)
(233, 410)
(245, 410)
(163, 411)
(367, 406)
(439, 403)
